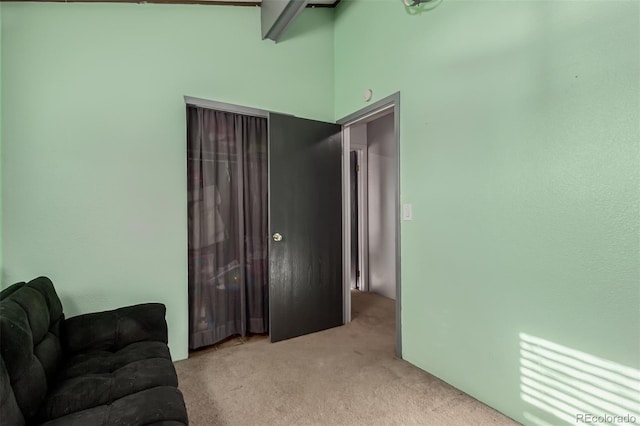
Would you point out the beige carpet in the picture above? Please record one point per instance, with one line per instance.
(343, 376)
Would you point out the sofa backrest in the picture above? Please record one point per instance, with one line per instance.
(10, 290)
(30, 319)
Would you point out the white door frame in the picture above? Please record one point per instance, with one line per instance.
(369, 113)
(363, 207)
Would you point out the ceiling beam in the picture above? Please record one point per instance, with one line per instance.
(277, 15)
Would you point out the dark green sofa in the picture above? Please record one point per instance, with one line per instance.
(106, 368)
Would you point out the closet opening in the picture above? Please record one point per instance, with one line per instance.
(265, 240)
(227, 182)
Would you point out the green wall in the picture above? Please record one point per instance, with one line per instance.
(520, 142)
(94, 161)
(519, 151)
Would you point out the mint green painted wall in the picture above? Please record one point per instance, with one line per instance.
(519, 152)
(94, 166)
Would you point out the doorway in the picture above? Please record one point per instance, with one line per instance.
(371, 216)
(310, 171)
(227, 219)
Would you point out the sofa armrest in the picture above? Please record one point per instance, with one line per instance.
(113, 330)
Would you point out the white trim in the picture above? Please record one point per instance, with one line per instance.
(392, 101)
(374, 115)
(346, 228)
(222, 106)
(363, 217)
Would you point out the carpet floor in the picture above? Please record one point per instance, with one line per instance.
(347, 375)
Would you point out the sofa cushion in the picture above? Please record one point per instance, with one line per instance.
(11, 289)
(100, 362)
(115, 329)
(30, 318)
(160, 406)
(99, 378)
(9, 410)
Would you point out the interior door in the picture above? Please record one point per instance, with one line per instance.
(305, 258)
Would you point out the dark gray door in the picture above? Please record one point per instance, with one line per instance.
(305, 258)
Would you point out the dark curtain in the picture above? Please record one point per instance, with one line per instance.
(227, 217)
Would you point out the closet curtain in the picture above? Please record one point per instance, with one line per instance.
(228, 228)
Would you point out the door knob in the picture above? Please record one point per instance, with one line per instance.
(277, 237)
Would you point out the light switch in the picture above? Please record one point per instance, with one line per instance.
(407, 212)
